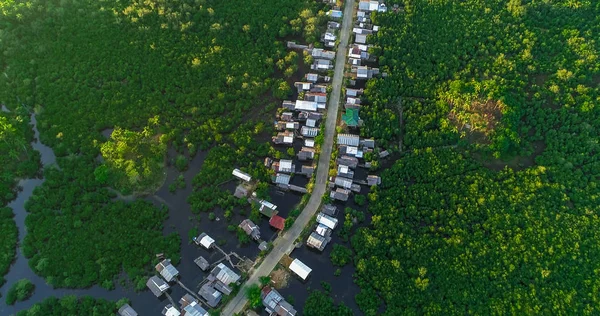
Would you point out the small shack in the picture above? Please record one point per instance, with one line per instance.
(300, 269)
(126, 310)
(157, 285)
(241, 175)
(202, 263)
(267, 208)
(250, 228)
(167, 270)
(277, 222)
(205, 241)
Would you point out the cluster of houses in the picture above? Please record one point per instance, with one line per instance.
(326, 223)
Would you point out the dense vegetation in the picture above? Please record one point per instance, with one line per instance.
(455, 229)
(320, 304)
(20, 291)
(9, 232)
(71, 305)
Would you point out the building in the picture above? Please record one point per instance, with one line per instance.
(222, 273)
(205, 241)
(340, 194)
(321, 53)
(303, 105)
(284, 125)
(350, 151)
(302, 86)
(329, 209)
(351, 162)
(170, 310)
(364, 72)
(384, 154)
(241, 191)
(250, 228)
(346, 184)
(345, 171)
(267, 208)
(167, 270)
(284, 165)
(306, 154)
(323, 230)
(369, 6)
(308, 171)
(351, 118)
(277, 222)
(281, 178)
(157, 285)
(348, 139)
(210, 295)
(330, 222)
(319, 88)
(288, 105)
(317, 241)
(319, 97)
(300, 269)
(202, 263)
(241, 175)
(360, 38)
(312, 77)
(194, 309)
(286, 116)
(369, 143)
(373, 180)
(333, 25)
(126, 310)
(309, 142)
(221, 287)
(274, 303)
(353, 92)
(309, 131)
(322, 64)
(335, 14)
(285, 138)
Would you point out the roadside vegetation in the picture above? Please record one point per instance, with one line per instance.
(492, 207)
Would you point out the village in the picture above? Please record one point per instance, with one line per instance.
(299, 136)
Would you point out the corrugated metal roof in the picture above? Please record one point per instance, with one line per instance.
(327, 220)
(300, 269)
(348, 139)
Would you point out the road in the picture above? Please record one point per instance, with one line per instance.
(283, 244)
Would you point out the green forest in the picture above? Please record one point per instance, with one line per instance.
(492, 207)
(71, 305)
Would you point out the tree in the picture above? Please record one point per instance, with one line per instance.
(253, 296)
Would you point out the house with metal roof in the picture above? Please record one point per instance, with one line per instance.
(317, 241)
(351, 118)
(323, 230)
(321, 53)
(311, 123)
(194, 309)
(351, 151)
(373, 180)
(319, 88)
(309, 142)
(267, 208)
(360, 38)
(288, 105)
(368, 142)
(340, 194)
(157, 285)
(210, 295)
(329, 209)
(348, 139)
(303, 86)
(312, 77)
(333, 25)
(167, 270)
(204, 240)
(127, 310)
(353, 92)
(364, 72)
(281, 178)
(322, 64)
(351, 162)
(318, 97)
(305, 116)
(308, 171)
(286, 116)
(284, 125)
(285, 138)
(306, 154)
(221, 287)
(224, 274)
(250, 228)
(283, 165)
(309, 131)
(327, 220)
(274, 303)
(345, 172)
(384, 154)
(335, 14)
(300, 269)
(277, 222)
(202, 263)
(241, 175)
(170, 310)
(303, 105)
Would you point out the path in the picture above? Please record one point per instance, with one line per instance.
(284, 244)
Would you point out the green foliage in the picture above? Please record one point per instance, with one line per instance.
(212, 216)
(337, 272)
(20, 291)
(320, 304)
(9, 232)
(253, 296)
(340, 255)
(326, 286)
(242, 236)
(265, 280)
(359, 199)
(71, 305)
(181, 163)
(192, 233)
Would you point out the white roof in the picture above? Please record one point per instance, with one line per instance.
(348, 139)
(285, 164)
(288, 139)
(322, 230)
(306, 105)
(309, 131)
(268, 204)
(300, 269)
(363, 48)
(352, 92)
(290, 125)
(207, 242)
(194, 309)
(343, 182)
(172, 311)
(226, 275)
(312, 77)
(242, 175)
(309, 142)
(352, 100)
(343, 169)
(327, 220)
(311, 123)
(330, 36)
(361, 38)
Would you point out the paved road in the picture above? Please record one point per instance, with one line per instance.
(283, 244)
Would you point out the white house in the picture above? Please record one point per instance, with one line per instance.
(300, 269)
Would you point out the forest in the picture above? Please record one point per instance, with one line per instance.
(71, 305)
(115, 85)
(492, 207)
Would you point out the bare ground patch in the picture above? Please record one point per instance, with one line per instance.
(477, 119)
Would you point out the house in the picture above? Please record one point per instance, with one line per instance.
(343, 182)
(311, 123)
(157, 285)
(333, 25)
(348, 139)
(307, 171)
(267, 208)
(362, 17)
(285, 138)
(369, 6)
(281, 178)
(170, 310)
(126, 310)
(284, 165)
(373, 180)
(302, 86)
(351, 118)
(194, 309)
(353, 92)
(241, 191)
(319, 88)
(277, 222)
(340, 194)
(330, 222)
(351, 151)
(318, 97)
(323, 230)
(360, 38)
(359, 51)
(312, 77)
(364, 72)
(309, 142)
(286, 116)
(351, 162)
(288, 105)
(317, 241)
(305, 116)
(345, 171)
(241, 175)
(274, 303)
(309, 131)
(329, 209)
(321, 53)
(221, 287)
(368, 142)
(354, 62)
(335, 14)
(167, 270)
(300, 269)
(303, 105)
(202, 263)
(306, 154)
(321, 65)
(384, 154)
(283, 125)
(222, 273)
(250, 228)
(204, 240)
(210, 295)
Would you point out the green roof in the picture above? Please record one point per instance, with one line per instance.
(351, 117)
